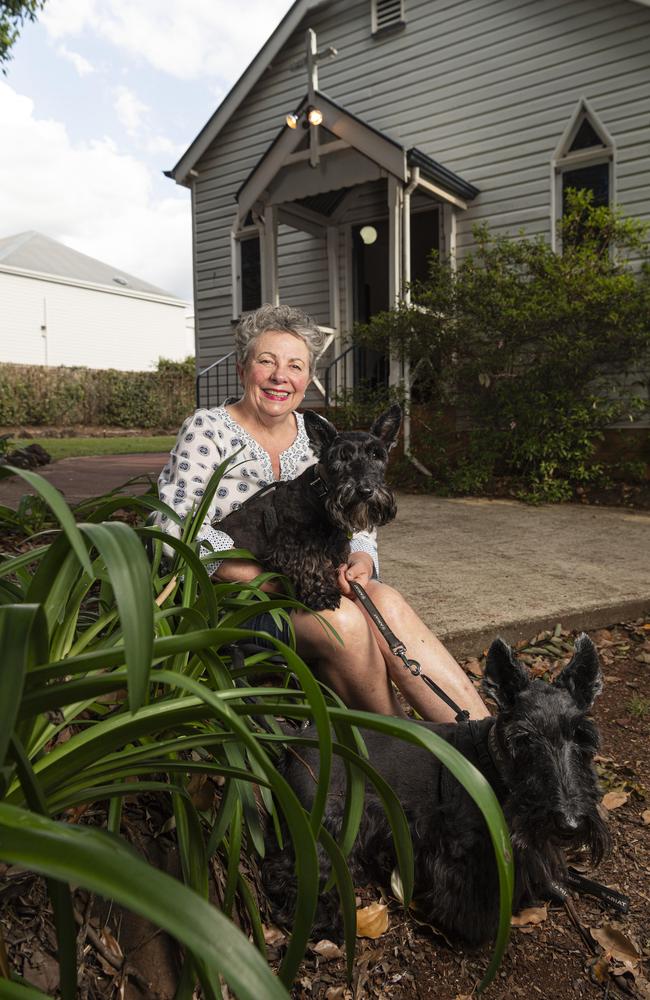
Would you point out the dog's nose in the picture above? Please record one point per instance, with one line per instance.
(565, 823)
(365, 492)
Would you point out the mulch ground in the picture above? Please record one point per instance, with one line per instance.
(594, 953)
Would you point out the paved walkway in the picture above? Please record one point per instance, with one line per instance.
(472, 568)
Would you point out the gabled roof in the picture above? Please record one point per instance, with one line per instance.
(39, 254)
(243, 86)
(375, 148)
(247, 81)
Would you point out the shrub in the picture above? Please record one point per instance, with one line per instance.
(524, 355)
(37, 395)
(118, 680)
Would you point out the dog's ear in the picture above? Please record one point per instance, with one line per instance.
(582, 676)
(504, 677)
(320, 431)
(386, 427)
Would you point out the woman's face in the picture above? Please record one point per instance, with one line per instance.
(276, 374)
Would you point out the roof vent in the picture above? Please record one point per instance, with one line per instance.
(387, 15)
(121, 281)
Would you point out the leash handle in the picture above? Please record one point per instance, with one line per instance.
(398, 648)
(617, 900)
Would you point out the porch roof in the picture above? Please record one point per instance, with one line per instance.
(354, 153)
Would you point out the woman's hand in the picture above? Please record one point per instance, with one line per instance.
(359, 568)
(242, 571)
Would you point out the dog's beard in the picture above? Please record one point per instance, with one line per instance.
(350, 514)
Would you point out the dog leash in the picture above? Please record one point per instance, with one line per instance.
(398, 648)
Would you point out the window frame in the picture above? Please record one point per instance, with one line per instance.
(238, 237)
(564, 160)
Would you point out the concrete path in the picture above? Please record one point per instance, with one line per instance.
(472, 568)
(476, 568)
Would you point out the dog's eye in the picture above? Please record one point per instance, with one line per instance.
(377, 454)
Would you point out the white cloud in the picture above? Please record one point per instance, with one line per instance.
(91, 196)
(80, 63)
(157, 144)
(189, 40)
(129, 108)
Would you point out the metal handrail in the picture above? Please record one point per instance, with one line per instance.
(205, 373)
(328, 369)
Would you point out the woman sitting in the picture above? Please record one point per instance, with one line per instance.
(277, 348)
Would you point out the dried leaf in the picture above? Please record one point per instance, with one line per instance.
(396, 885)
(474, 667)
(532, 915)
(614, 800)
(273, 936)
(617, 945)
(327, 950)
(372, 921)
(337, 993)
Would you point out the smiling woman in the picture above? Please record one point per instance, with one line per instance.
(277, 347)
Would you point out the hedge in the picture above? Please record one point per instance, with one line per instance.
(37, 395)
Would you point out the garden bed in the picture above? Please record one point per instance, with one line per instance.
(549, 958)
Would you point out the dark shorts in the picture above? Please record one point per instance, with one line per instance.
(264, 623)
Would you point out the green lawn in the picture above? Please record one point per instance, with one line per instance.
(77, 446)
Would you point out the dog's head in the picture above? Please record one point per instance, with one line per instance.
(547, 742)
(353, 466)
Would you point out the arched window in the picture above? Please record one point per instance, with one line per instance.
(584, 159)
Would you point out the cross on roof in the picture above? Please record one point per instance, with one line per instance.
(311, 60)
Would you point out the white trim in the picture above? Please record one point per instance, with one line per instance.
(395, 196)
(58, 279)
(442, 194)
(236, 237)
(333, 280)
(323, 150)
(397, 18)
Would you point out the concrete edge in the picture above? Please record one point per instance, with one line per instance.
(467, 643)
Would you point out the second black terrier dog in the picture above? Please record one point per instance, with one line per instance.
(302, 527)
(538, 756)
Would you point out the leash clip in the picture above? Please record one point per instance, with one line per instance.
(412, 666)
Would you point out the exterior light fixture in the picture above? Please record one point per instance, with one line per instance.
(315, 116)
(292, 120)
(368, 235)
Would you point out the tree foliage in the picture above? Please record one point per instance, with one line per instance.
(13, 14)
(524, 355)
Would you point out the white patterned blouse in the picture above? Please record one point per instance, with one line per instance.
(204, 441)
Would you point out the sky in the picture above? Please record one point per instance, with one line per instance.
(99, 98)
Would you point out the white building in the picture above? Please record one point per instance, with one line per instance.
(61, 307)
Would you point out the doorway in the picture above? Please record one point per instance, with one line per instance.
(370, 296)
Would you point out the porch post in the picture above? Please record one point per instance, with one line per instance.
(449, 232)
(333, 283)
(269, 248)
(395, 192)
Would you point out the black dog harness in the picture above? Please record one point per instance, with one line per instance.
(253, 525)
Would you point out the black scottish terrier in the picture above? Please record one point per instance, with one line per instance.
(537, 754)
(302, 527)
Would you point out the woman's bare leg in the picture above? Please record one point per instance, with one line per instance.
(436, 661)
(355, 670)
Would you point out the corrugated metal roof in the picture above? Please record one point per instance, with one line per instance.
(32, 251)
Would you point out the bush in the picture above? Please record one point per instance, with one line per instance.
(523, 355)
(119, 681)
(38, 396)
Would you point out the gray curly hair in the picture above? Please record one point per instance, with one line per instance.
(286, 319)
